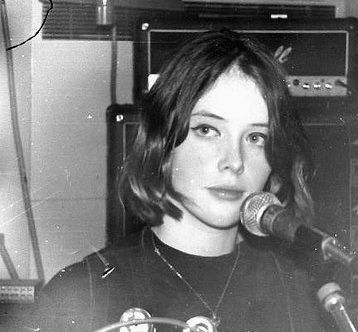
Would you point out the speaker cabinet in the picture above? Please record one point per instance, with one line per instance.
(331, 127)
(122, 126)
(330, 187)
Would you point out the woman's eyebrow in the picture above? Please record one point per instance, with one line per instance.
(260, 124)
(215, 116)
(208, 115)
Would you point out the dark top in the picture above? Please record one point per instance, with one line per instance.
(267, 291)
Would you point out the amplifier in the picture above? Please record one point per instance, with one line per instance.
(317, 55)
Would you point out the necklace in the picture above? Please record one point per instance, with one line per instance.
(214, 312)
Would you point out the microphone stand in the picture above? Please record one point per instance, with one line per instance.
(332, 249)
(333, 301)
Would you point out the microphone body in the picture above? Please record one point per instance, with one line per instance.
(279, 222)
(262, 214)
(330, 296)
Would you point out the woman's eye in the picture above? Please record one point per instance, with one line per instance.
(257, 138)
(206, 130)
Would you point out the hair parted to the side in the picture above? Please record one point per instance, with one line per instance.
(145, 186)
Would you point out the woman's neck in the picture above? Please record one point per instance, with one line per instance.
(196, 239)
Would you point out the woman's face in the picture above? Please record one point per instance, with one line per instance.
(222, 159)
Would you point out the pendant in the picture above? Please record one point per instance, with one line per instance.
(216, 320)
(202, 324)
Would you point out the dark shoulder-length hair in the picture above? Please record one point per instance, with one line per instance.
(145, 186)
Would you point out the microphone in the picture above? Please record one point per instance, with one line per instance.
(262, 214)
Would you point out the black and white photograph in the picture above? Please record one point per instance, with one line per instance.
(179, 165)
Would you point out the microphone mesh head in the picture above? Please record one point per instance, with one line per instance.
(253, 208)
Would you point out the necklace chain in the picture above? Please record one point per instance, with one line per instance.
(215, 318)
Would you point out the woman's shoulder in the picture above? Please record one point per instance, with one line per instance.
(98, 263)
(73, 296)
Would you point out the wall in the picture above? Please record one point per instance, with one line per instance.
(63, 93)
(352, 8)
(12, 217)
(70, 89)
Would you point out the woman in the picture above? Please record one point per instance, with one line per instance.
(216, 126)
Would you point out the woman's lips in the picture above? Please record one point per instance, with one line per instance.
(227, 194)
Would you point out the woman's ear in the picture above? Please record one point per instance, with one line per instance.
(273, 184)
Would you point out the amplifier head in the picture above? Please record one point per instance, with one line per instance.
(317, 55)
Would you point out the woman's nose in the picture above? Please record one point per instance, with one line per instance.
(231, 159)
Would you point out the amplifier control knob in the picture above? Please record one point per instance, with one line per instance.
(317, 85)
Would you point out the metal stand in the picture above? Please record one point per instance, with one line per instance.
(334, 302)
